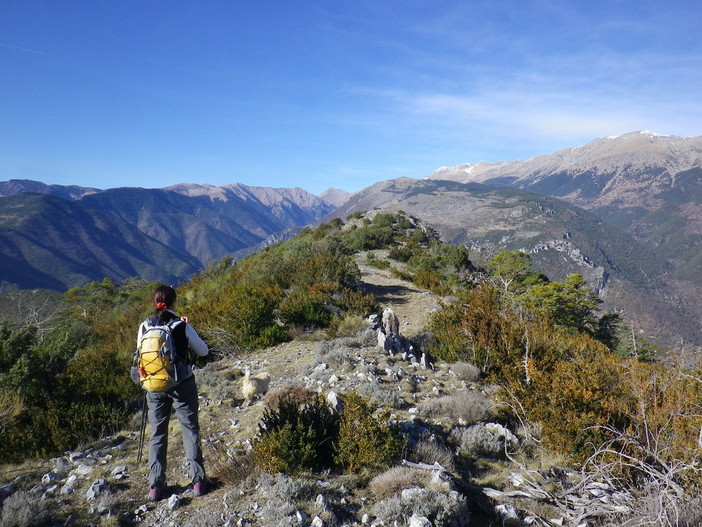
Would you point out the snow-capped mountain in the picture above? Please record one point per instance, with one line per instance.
(623, 171)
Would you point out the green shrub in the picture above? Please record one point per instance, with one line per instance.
(326, 228)
(402, 275)
(296, 437)
(401, 254)
(431, 280)
(420, 236)
(365, 441)
(371, 237)
(374, 262)
(355, 215)
(239, 316)
(450, 342)
(359, 303)
(307, 309)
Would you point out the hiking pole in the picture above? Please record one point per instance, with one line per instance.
(142, 429)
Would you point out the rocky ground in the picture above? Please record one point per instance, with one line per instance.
(455, 471)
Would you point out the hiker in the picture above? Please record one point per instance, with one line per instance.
(182, 396)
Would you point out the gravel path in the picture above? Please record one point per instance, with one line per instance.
(413, 306)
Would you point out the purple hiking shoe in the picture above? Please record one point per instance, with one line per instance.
(154, 493)
(198, 488)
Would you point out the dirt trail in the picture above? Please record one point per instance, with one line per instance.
(413, 306)
(228, 426)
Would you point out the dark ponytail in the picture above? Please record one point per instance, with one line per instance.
(164, 298)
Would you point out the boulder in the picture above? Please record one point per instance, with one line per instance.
(99, 487)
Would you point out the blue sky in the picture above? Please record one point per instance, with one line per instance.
(330, 93)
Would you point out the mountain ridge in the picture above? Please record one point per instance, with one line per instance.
(610, 170)
(13, 187)
(630, 277)
(645, 183)
(197, 223)
(53, 243)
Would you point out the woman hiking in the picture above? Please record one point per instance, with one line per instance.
(182, 396)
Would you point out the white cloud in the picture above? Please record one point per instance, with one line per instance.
(563, 97)
(519, 113)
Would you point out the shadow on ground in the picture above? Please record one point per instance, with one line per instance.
(389, 294)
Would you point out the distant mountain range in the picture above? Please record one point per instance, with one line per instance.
(58, 237)
(649, 185)
(625, 212)
(626, 180)
(623, 172)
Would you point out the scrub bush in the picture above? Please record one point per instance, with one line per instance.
(440, 509)
(365, 440)
(299, 437)
(23, 509)
(295, 437)
(470, 407)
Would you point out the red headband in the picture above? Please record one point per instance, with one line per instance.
(161, 305)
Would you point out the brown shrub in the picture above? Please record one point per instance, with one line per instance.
(292, 392)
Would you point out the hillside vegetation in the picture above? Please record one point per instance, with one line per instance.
(578, 401)
(629, 276)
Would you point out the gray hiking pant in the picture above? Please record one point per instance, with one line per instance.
(182, 398)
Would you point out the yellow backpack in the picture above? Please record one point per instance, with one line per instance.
(155, 358)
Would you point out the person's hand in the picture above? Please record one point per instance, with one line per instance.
(184, 319)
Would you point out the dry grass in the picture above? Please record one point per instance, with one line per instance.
(206, 517)
(335, 354)
(466, 371)
(216, 382)
(469, 407)
(653, 509)
(442, 510)
(24, 509)
(382, 395)
(493, 473)
(351, 326)
(283, 495)
(230, 468)
(396, 479)
(430, 451)
(484, 440)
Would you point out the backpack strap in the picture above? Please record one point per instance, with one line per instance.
(172, 322)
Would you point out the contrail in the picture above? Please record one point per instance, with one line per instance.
(23, 49)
